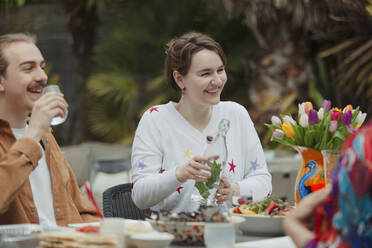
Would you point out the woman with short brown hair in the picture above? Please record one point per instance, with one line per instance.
(170, 138)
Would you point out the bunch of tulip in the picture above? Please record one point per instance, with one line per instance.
(324, 129)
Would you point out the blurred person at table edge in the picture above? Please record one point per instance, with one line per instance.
(170, 138)
(37, 184)
(343, 213)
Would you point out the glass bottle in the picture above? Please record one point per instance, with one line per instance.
(206, 192)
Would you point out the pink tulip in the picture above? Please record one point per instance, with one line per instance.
(289, 119)
(276, 120)
(333, 126)
(279, 134)
(351, 129)
(326, 104)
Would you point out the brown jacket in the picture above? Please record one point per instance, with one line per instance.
(17, 160)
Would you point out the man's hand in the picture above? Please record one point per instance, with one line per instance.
(43, 111)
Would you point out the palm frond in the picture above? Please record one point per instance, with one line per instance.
(112, 114)
(360, 50)
(339, 47)
(117, 87)
(109, 120)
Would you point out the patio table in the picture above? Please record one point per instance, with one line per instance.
(34, 243)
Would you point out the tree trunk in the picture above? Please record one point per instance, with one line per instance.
(82, 23)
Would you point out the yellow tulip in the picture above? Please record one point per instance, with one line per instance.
(337, 109)
(288, 130)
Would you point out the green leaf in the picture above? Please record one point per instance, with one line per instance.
(272, 127)
(297, 136)
(288, 142)
(215, 173)
(203, 188)
(309, 138)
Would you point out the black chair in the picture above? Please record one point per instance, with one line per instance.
(117, 202)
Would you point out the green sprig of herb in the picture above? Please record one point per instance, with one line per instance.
(203, 188)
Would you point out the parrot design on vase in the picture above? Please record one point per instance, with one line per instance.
(302, 189)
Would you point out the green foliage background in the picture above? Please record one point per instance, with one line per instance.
(119, 48)
(129, 59)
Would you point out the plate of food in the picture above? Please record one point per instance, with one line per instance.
(188, 228)
(132, 227)
(262, 218)
(79, 225)
(72, 238)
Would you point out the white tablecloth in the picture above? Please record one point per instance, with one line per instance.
(281, 242)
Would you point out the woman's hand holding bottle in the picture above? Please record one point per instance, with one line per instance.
(195, 169)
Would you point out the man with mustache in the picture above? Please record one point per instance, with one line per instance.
(37, 184)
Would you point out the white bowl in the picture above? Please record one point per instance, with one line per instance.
(261, 225)
(152, 240)
(236, 221)
(135, 227)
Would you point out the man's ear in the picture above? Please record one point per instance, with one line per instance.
(179, 79)
(2, 80)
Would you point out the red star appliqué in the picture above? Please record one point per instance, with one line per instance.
(154, 109)
(232, 166)
(161, 170)
(179, 189)
(131, 185)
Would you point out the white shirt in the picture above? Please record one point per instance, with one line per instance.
(41, 187)
(165, 140)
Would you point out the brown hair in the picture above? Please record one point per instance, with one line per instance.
(7, 39)
(179, 52)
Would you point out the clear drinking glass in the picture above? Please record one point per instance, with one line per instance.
(329, 162)
(219, 235)
(114, 225)
(58, 119)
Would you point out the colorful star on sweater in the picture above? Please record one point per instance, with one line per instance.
(254, 165)
(232, 166)
(154, 109)
(179, 189)
(141, 165)
(187, 153)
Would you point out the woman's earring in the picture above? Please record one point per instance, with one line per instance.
(183, 91)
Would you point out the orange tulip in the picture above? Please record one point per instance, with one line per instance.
(308, 107)
(347, 108)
